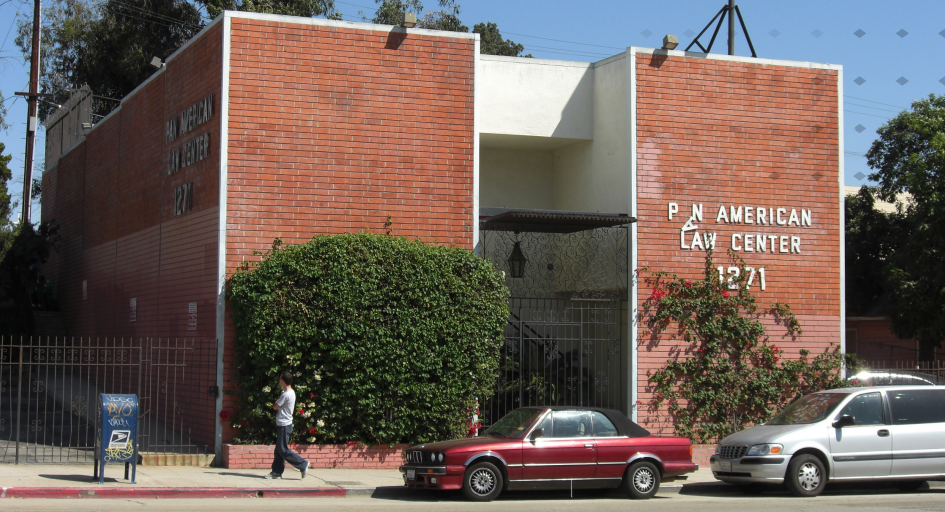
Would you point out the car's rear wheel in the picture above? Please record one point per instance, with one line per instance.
(482, 482)
(909, 485)
(642, 480)
(806, 476)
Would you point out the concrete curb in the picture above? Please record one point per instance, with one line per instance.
(238, 492)
(170, 492)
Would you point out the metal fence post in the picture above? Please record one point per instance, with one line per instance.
(19, 405)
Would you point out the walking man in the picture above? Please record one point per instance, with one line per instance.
(285, 405)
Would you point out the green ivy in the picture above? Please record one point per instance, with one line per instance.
(389, 340)
(735, 376)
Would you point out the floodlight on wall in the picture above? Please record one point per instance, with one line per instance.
(670, 42)
(517, 261)
(409, 21)
(157, 63)
(86, 126)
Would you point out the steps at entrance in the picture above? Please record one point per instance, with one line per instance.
(202, 460)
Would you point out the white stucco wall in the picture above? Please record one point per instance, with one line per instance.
(593, 176)
(516, 178)
(536, 97)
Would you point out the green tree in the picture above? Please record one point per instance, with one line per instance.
(731, 375)
(872, 237)
(6, 200)
(304, 8)
(391, 12)
(106, 44)
(909, 157)
(492, 43)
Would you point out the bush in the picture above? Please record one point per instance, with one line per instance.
(389, 340)
(735, 377)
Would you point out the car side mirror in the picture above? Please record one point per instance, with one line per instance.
(538, 432)
(845, 421)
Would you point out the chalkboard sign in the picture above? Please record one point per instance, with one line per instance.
(117, 439)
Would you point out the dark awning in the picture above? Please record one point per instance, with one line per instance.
(548, 221)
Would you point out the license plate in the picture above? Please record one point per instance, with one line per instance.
(726, 465)
(411, 474)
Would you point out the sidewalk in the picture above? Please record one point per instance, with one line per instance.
(75, 481)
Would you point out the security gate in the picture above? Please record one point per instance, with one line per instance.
(49, 388)
(565, 339)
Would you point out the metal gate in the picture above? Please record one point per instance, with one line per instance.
(49, 386)
(565, 339)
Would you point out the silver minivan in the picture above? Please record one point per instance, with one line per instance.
(891, 432)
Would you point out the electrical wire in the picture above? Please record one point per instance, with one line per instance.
(878, 103)
(875, 108)
(157, 15)
(865, 114)
(12, 23)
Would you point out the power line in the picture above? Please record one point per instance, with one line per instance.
(875, 108)
(157, 15)
(12, 22)
(878, 103)
(865, 114)
(563, 41)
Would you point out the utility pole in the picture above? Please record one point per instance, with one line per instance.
(731, 27)
(32, 120)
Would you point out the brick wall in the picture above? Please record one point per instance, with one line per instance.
(320, 456)
(873, 340)
(114, 203)
(720, 133)
(332, 130)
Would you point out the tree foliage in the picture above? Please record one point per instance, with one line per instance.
(107, 44)
(305, 8)
(872, 237)
(391, 12)
(731, 375)
(909, 157)
(492, 43)
(389, 340)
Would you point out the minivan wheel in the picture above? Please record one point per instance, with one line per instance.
(641, 481)
(806, 476)
(482, 482)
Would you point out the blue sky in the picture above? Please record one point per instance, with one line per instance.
(901, 41)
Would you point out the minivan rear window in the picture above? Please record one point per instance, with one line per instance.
(910, 407)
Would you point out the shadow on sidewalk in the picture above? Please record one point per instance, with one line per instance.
(244, 475)
(78, 478)
(720, 489)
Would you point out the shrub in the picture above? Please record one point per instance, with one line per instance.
(389, 340)
(735, 376)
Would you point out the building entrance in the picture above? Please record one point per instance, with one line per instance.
(566, 335)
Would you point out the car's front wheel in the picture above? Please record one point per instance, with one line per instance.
(806, 476)
(642, 480)
(482, 482)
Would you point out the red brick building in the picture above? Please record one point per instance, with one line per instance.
(267, 126)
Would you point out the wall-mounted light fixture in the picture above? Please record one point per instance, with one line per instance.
(157, 63)
(670, 42)
(517, 261)
(409, 21)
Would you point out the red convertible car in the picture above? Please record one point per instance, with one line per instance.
(551, 448)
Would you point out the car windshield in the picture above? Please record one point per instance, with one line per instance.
(810, 409)
(514, 423)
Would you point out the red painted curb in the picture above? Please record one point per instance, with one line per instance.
(171, 492)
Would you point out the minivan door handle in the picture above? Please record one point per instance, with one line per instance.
(883, 433)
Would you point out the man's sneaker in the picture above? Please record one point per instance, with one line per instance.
(305, 469)
(273, 476)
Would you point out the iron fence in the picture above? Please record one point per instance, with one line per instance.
(559, 352)
(49, 388)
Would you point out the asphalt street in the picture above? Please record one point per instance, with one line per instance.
(859, 499)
